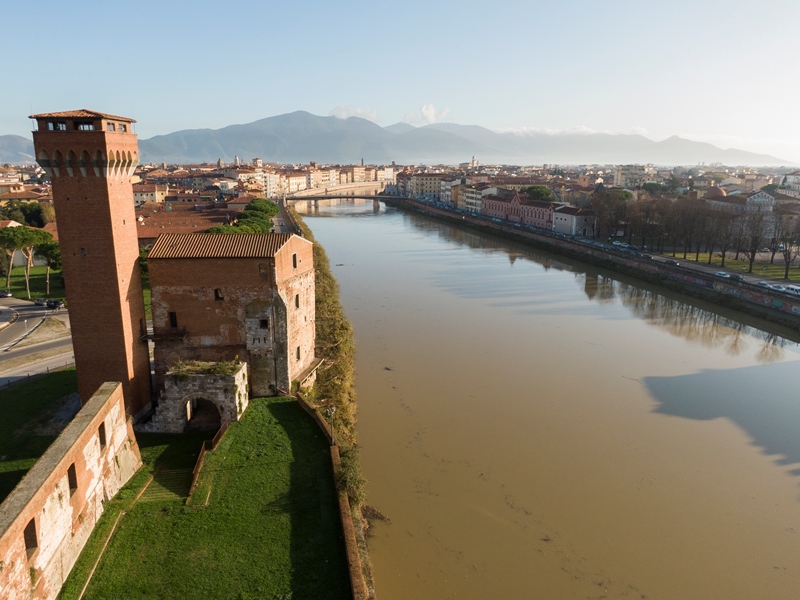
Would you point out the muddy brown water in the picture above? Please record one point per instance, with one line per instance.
(537, 428)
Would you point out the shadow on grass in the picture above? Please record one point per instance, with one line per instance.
(171, 451)
(317, 549)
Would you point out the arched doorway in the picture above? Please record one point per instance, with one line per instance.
(202, 415)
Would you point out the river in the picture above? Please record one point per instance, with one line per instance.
(538, 428)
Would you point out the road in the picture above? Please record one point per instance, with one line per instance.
(52, 354)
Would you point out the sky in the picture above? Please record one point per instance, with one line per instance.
(723, 72)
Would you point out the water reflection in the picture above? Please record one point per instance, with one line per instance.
(678, 315)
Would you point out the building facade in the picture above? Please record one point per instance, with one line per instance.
(219, 297)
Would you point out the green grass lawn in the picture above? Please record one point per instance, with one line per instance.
(37, 281)
(760, 269)
(262, 523)
(24, 407)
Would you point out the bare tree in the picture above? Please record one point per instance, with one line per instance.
(787, 238)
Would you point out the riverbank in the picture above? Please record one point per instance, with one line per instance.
(742, 297)
(334, 394)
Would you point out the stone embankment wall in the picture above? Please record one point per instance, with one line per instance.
(47, 519)
(756, 300)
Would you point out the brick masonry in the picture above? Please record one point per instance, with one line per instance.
(93, 198)
(259, 310)
(47, 519)
(229, 393)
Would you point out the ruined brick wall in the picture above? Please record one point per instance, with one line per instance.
(294, 269)
(47, 518)
(229, 393)
(93, 199)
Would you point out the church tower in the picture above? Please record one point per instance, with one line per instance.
(90, 158)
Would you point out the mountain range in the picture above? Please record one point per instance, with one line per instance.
(301, 137)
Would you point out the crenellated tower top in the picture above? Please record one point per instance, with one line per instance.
(85, 143)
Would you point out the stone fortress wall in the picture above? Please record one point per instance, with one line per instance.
(47, 519)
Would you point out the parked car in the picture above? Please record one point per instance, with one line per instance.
(793, 290)
(55, 304)
(6, 294)
(736, 277)
(722, 274)
(778, 288)
(674, 263)
(40, 301)
(763, 284)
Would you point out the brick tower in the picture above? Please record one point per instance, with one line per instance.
(90, 157)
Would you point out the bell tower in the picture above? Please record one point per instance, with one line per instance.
(90, 158)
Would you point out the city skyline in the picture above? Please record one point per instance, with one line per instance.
(706, 71)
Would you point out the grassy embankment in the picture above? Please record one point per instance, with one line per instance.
(335, 387)
(760, 268)
(25, 428)
(262, 523)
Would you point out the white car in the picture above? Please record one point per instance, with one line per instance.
(722, 274)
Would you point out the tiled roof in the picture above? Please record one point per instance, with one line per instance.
(218, 245)
(80, 114)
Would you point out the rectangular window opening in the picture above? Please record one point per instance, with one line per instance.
(262, 269)
(83, 251)
(218, 295)
(31, 539)
(101, 433)
(123, 128)
(173, 320)
(298, 353)
(263, 323)
(294, 261)
(297, 300)
(83, 126)
(110, 127)
(72, 477)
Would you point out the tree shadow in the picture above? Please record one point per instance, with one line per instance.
(764, 400)
(318, 554)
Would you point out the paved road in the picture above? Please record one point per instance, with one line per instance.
(43, 366)
(29, 316)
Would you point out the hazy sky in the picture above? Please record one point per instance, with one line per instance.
(722, 71)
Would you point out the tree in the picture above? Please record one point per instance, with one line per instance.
(755, 226)
(50, 252)
(787, 236)
(10, 243)
(28, 239)
(539, 193)
(653, 188)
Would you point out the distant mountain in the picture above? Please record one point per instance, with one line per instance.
(399, 127)
(301, 137)
(15, 149)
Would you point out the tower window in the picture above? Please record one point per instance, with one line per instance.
(298, 353)
(297, 300)
(31, 539)
(123, 128)
(294, 261)
(173, 320)
(218, 295)
(263, 323)
(110, 127)
(83, 251)
(101, 434)
(84, 126)
(72, 477)
(262, 269)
